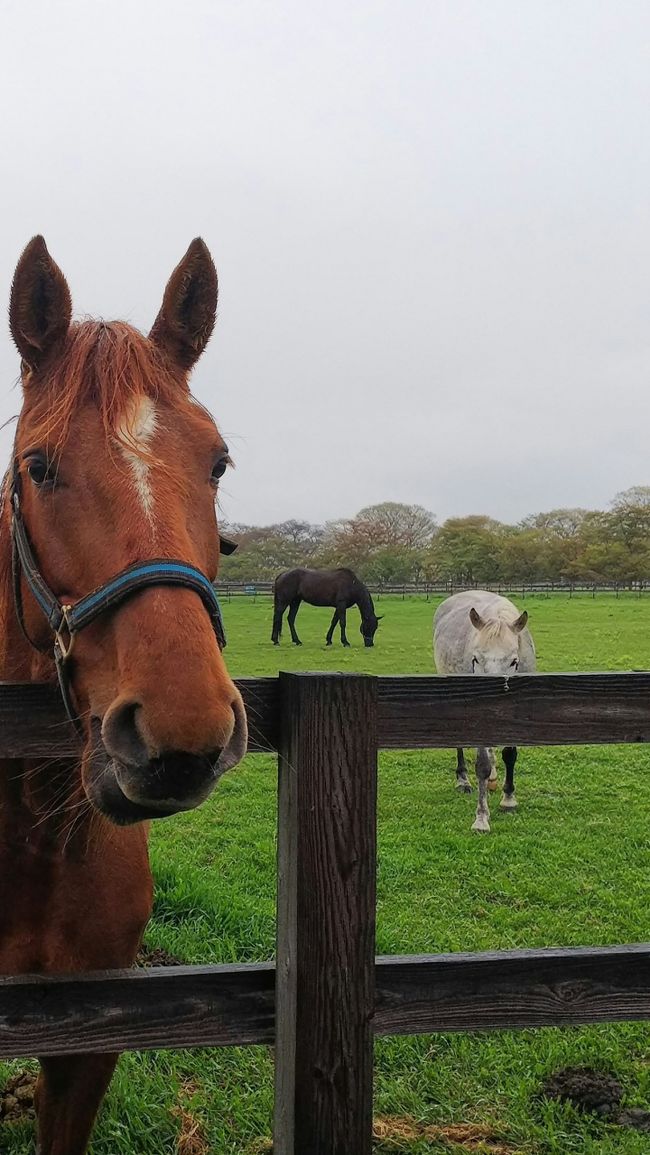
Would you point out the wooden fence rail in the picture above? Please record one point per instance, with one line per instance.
(327, 996)
(412, 713)
(167, 1008)
(264, 588)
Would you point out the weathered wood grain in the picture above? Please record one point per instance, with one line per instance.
(234, 1005)
(137, 1010)
(414, 712)
(512, 989)
(526, 709)
(326, 915)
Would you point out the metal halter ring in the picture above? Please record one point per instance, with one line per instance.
(65, 647)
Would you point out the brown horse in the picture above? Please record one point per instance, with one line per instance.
(323, 587)
(114, 465)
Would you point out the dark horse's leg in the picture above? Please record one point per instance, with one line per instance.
(508, 800)
(328, 638)
(278, 614)
(291, 617)
(68, 1096)
(341, 611)
(462, 781)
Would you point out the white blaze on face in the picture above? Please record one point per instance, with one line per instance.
(135, 434)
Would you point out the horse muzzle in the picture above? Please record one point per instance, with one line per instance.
(138, 787)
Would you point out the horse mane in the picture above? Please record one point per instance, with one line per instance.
(110, 365)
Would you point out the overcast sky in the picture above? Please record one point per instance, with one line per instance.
(431, 222)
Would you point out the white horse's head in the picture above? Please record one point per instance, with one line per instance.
(496, 644)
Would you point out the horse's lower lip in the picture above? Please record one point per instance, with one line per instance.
(101, 783)
(107, 796)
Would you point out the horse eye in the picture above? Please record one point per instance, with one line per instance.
(219, 468)
(40, 470)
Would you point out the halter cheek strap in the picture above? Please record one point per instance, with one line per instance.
(66, 621)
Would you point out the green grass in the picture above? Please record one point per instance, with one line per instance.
(570, 867)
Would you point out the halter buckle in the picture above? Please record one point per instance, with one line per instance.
(65, 645)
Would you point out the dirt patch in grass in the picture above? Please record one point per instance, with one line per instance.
(587, 1089)
(155, 956)
(17, 1098)
(597, 1093)
(636, 1118)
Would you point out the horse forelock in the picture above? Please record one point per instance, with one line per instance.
(495, 630)
(113, 367)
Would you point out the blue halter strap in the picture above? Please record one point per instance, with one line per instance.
(66, 621)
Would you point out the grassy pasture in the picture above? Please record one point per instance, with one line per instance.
(571, 867)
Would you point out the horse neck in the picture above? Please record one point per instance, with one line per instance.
(365, 602)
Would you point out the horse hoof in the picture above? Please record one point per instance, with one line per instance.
(493, 784)
(481, 826)
(464, 787)
(347, 645)
(297, 643)
(328, 643)
(508, 803)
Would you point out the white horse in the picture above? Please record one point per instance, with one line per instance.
(477, 632)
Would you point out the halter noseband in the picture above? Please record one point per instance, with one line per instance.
(66, 621)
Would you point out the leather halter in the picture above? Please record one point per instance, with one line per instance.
(66, 621)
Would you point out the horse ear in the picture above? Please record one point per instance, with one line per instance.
(476, 619)
(40, 306)
(520, 624)
(189, 309)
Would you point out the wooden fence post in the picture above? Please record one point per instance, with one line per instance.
(326, 914)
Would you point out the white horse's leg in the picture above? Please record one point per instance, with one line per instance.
(483, 768)
(493, 780)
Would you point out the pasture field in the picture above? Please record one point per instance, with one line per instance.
(571, 867)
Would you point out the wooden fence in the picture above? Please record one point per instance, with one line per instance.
(255, 589)
(327, 996)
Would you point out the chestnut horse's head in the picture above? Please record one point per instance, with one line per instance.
(116, 465)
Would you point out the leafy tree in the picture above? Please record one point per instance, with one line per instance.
(467, 550)
(392, 523)
(392, 565)
(393, 542)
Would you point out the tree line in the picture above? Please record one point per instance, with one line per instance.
(395, 543)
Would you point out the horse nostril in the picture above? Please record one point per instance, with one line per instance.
(121, 735)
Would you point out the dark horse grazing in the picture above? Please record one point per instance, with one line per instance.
(111, 488)
(323, 587)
